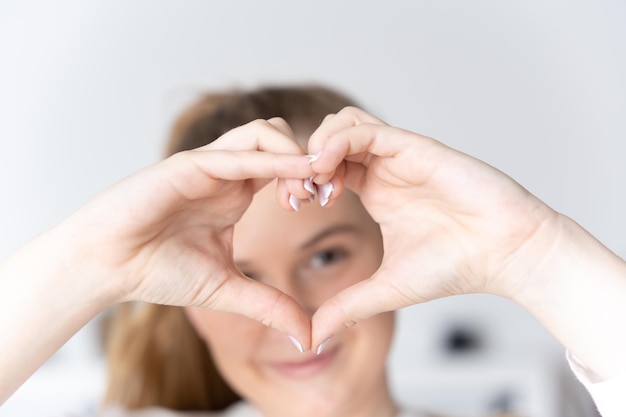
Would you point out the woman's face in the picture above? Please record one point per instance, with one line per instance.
(310, 255)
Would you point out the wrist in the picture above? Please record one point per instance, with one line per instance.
(576, 288)
(77, 266)
(528, 276)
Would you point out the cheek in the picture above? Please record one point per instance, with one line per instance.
(361, 267)
(224, 333)
(372, 342)
(380, 331)
(369, 257)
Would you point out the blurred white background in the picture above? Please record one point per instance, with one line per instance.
(88, 91)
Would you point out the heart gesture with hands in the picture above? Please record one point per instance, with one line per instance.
(450, 224)
(172, 243)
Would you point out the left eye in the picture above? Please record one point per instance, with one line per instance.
(327, 257)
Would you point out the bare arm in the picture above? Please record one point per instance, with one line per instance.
(41, 306)
(162, 235)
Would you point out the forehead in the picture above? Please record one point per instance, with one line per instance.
(266, 223)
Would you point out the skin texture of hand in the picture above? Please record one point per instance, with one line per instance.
(171, 242)
(452, 224)
(162, 235)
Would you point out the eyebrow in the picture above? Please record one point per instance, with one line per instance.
(329, 231)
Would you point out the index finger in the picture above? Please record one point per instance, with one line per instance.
(362, 142)
(272, 135)
(194, 173)
(333, 123)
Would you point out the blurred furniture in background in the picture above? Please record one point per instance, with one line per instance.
(477, 356)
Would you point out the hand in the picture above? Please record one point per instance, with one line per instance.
(164, 235)
(450, 223)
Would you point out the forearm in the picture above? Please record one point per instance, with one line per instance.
(581, 297)
(41, 306)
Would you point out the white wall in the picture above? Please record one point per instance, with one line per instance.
(536, 88)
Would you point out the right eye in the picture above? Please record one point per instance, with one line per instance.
(327, 258)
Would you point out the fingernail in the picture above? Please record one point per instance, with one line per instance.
(321, 347)
(313, 158)
(294, 202)
(308, 185)
(324, 191)
(296, 344)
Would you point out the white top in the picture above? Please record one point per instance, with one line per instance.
(607, 395)
(240, 409)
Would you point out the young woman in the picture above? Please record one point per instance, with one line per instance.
(310, 255)
(272, 258)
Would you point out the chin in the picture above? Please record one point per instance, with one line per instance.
(317, 397)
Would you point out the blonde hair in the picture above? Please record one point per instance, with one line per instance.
(155, 356)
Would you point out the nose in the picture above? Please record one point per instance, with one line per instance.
(307, 304)
(288, 283)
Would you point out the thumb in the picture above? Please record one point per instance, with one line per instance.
(265, 304)
(355, 303)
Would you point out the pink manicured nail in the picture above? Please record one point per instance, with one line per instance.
(324, 191)
(297, 344)
(321, 347)
(313, 158)
(294, 202)
(308, 185)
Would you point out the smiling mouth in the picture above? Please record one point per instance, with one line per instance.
(307, 367)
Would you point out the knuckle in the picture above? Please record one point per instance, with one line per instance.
(352, 113)
(278, 121)
(329, 117)
(259, 124)
(350, 110)
(179, 157)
